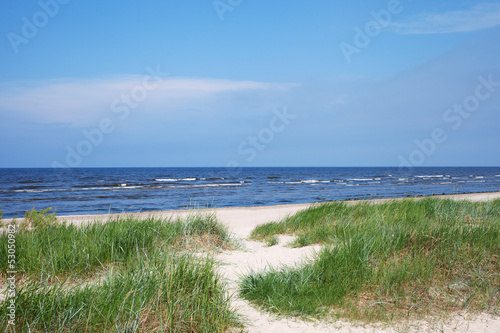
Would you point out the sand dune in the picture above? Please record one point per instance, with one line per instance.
(254, 256)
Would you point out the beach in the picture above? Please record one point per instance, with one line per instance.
(256, 256)
(250, 166)
(241, 220)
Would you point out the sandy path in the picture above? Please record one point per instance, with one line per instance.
(257, 257)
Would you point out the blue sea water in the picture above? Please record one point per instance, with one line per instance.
(103, 190)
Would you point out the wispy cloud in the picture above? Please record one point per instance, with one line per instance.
(481, 16)
(80, 102)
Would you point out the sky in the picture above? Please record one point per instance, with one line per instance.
(204, 83)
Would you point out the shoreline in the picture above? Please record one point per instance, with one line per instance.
(474, 196)
(242, 219)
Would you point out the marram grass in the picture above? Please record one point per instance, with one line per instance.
(66, 249)
(173, 293)
(386, 261)
(126, 275)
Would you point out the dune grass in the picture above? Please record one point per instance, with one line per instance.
(61, 249)
(173, 293)
(125, 275)
(386, 261)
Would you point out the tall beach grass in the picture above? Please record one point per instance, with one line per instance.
(124, 275)
(386, 261)
(60, 249)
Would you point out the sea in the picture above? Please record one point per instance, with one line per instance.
(116, 190)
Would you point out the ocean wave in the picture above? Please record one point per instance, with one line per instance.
(76, 189)
(116, 187)
(26, 188)
(94, 188)
(35, 187)
(175, 179)
(208, 185)
(360, 179)
(40, 190)
(307, 181)
(313, 181)
(433, 176)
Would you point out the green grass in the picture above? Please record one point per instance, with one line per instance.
(386, 261)
(171, 294)
(272, 240)
(62, 249)
(126, 275)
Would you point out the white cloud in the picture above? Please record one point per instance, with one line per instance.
(81, 102)
(212, 85)
(482, 16)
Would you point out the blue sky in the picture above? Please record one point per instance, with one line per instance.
(249, 83)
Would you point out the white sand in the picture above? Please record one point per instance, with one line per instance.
(256, 257)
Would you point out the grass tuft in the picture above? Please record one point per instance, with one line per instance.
(65, 249)
(273, 240)
(39, 220)
(385, 261)
(174, 293)
(125, 275)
